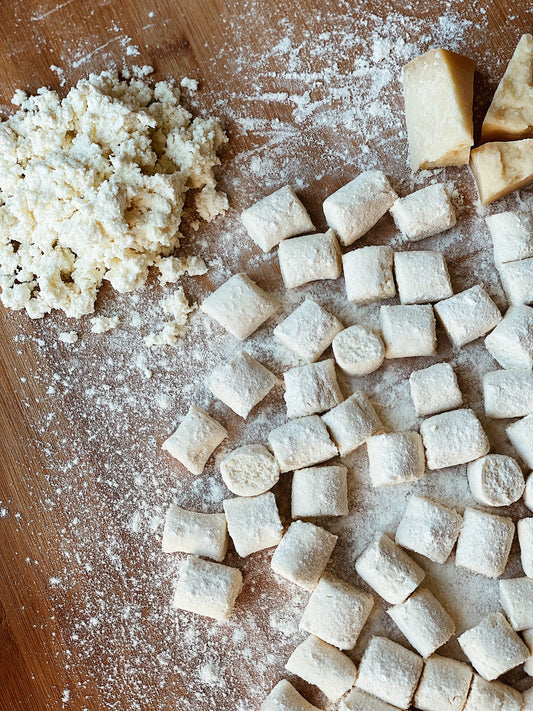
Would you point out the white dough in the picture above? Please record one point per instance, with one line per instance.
(516, 597)
(484, 542)
(524, 529)
(389, 570)
(309, 258)
(517, 281)
(435, 389)
(368, 274)
(276, 217)
(408, 330)
(424, 213)
(512, 235)
(284, 697)
(352, 422)
(240, 306)
(308, 330)
(195, 440)
(468, 315)
(197, 533)
(336, 612)
(521, 435)
(395, 458)
(511, 342)
(492, 696)
(356, 207)
(358, 700)
(301, 443)
(358, 350)
(311, 388)
(528, 492)
(453, 438)
(508, 393)
(249, 470)
(421, 277)
(320, 491)
(207, 588)
(527, 697)
(528, 664)
(323, 665)
(303, 553)
(495, 480)
(253, 523)
(444, 685)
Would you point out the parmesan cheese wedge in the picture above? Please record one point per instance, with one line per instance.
(510, 115)
(501, 167)
(438, 92)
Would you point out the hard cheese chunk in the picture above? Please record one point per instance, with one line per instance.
(438, 91)
(501, 167)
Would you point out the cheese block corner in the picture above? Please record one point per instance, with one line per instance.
(501, 167)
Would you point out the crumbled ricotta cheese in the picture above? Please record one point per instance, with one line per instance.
(68, 337)
(102, 324)
(172, 268)
(190, 84)
(177, 306)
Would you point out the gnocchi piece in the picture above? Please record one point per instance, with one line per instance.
(352, 422)
(311, 388)
(408, 330)
(528, 492)
(195, 440)
(444, 685)
(368, 274)
(308, 330)
(511, 342)
(495, 480)
(492, 696)
(468, 315)
(207, 588)
(358, 350)
(301, 443)
(242, 383)
(527, 698)
(358, 700)
(253, 523)
(389, 570)
(516, 598)
(493, 647)
(323, 665)
(528, 665)
(395, 458)
(356, 207)
(422, 277)
(512, 236)
(453, 438)
(284, 697)
(198, 533)
(276, 217)
(320, 491)
(249, 470)
(389, 671)
(423, 621)
(517, 281)
(303, 553)
(521, 435)
(524, 529)
(429, 529)
(484, 542)
(336, 612)
(240, 306)
(424, 213)
(508, 393)
(435, 389)
(309, 258)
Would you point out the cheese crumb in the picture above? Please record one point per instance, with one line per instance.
(68, 337)
(102, 324)
(177, 306)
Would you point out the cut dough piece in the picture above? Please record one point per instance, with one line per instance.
(358, 350)
(389, 570)
(242, 383)
(528, 492)
(303, 553)
(253, 523)
(438, 91)
(493, 647)
(318, 663)
(195, 440)
(336, 612)
(358, 700)
(301, 443)
(444, 685)
(389, 671)
(429, 528)
(423, 621)
(276, 217)
(516, 597)
(512, 235)
(511, 342)
(395, 458)
(207, 588)
(517, 281)
(357, 206)
(453, 438)
(495, 480)
(309, 258)
(408, 330)
(311, 388)
(320, 491)
(524, 529)
(468, 315)
(198, 533)
(249, 470)
(508, 393)
(308, 330)
(499, 168)
(424, 213)
(521, 435)
(435, 389)
(510, 115)
(284, 697)
(492, 696)
(368, 274)
(422, 277)
(484, 543)
(240, 306)
(352, 422)
(528, 665)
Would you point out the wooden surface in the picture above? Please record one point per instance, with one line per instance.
(50, 657)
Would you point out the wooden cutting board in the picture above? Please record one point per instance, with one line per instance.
(65, 638)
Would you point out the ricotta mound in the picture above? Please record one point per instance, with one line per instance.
(92, 187)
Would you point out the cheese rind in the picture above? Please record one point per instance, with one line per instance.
(501, 167)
